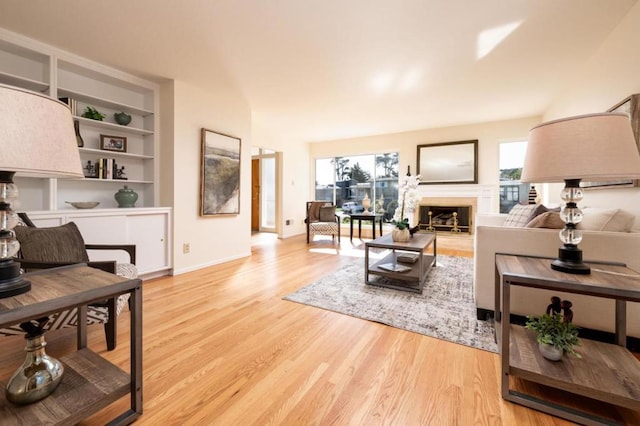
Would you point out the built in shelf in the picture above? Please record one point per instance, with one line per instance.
(113, 126)
(106, 103)
(26, 83)
(115, 154)
(122, 181)
(90, 383)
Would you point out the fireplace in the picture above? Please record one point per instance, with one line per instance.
(446, 214)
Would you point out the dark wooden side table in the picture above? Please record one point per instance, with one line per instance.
(606, 372)
(90, 383)
(374, 218)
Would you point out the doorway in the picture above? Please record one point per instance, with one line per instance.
(264, 190)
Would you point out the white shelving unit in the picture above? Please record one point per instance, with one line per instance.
(35, 66)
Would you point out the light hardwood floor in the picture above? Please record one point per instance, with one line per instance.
(222, 347)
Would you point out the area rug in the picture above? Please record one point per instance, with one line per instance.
(445, 309)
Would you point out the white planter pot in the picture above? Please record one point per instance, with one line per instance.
(550, 352)
(400, 235)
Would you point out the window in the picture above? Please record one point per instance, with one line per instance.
(512, 191)
(349, 179)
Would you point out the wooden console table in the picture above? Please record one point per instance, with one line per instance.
(606, 372)
(414, 278)
(90, 382)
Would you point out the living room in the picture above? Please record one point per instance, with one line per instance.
(605, 74)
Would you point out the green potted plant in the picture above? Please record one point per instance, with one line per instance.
(93, 114)
(554, 336)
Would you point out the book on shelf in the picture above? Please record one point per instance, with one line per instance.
(393, 267)
(408, 257)
(106, 168)
(72, 103)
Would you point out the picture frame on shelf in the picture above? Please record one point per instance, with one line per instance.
(631, 106)
(448, 162)
(113, 143)
(219, 174)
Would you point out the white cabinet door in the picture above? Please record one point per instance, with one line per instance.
(149, 233)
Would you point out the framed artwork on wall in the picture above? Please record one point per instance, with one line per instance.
(448, 162)
(631, 106)
(219, 174)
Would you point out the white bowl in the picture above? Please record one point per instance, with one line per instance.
(83, 204)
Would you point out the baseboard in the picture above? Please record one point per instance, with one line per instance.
(633, 343)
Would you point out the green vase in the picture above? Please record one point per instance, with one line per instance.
(126, 197)
(122, 118)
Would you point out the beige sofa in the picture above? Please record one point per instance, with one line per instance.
(591, 312)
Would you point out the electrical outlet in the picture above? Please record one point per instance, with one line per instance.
(186, 248)
(287, 222)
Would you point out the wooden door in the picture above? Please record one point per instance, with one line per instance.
(255, 195)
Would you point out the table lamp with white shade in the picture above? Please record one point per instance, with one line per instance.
(593, 147)
(37, 139)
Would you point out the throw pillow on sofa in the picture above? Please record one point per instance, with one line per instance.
(612, 220)
(547, 220)
(521, 214)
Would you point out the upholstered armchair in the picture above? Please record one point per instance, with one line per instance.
(42, 248)
(322, 220)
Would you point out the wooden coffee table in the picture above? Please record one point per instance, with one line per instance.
(413, 275)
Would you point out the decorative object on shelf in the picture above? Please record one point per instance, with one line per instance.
(408, 199)
(122, 118)
(219, 174)
(83, 204)
(27, 119)
(40, 374)
(555, 307)
(597, 147)
(76, 128)
(120, 173)
(126, 197)
(90, 170)
(552, 332)
(113, 143)
(448, 162)
(366, 203)
(93, 114)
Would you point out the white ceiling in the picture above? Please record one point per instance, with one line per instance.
(326, 69)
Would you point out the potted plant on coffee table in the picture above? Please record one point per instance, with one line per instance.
(554, 335)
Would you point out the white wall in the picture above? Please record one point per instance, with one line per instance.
(212, 239)
(610, 75)
(406, 143)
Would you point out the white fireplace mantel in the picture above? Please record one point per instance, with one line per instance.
(486, 195)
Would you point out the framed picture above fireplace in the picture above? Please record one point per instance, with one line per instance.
(448, 162)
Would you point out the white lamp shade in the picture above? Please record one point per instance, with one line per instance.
(37, 137)
(594, 147)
